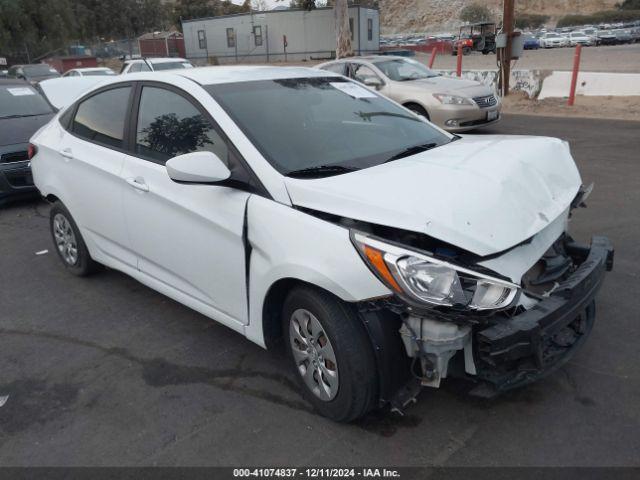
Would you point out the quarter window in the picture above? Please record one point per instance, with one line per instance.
(101, 118)
(351, 27)
(369, 29)
(202, 40)
(231, 38)
(170, 125)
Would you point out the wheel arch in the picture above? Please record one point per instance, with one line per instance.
(414, 103)
(273, 304)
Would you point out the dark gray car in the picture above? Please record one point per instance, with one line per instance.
(33, 73)
(22, 112)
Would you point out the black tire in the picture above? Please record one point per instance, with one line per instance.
(466, 50)
(83, 264)
(418, 110)
(355, 362)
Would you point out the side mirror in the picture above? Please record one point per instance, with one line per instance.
(373, 82)
(197, 167)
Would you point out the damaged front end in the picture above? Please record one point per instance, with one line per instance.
(473, 322)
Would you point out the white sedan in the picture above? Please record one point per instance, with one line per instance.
(295, 204)
(552, 39)
(580, 38)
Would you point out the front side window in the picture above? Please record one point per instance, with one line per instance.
(202, 41)
(170, 125)
(101, 118)
(362, 73)
(231, 38)
(329, 121)
(402, 70)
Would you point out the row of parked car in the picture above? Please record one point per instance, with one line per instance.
(589, 36)
(35, 73)
(31, 94)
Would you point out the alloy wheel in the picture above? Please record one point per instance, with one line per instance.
(314, 355)
(65, 239)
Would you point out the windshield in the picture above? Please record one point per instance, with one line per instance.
(97, 73)
(171, 65)
(43, 70)
(305, 123)
(21, 101)
(402, 70)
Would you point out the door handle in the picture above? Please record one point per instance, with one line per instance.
(138, 183)
(66, 153)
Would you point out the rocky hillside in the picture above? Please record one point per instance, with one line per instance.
(441, 15)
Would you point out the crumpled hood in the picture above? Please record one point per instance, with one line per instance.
(484, 194)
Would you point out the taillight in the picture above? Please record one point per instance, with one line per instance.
(31, 151)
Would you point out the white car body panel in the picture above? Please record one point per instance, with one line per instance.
(289, 244)
(525, 182)
(181, 241)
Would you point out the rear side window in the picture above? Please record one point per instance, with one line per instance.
(101, 118)
(170, 125)
(335, 67)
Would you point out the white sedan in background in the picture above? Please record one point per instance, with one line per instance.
(154, 64)
(552, 40)
(295, 204)
(89, 72)
(580, 38)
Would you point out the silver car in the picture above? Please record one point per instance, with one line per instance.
(451, 103)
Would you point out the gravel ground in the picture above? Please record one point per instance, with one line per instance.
(104, 371)
(616, 58)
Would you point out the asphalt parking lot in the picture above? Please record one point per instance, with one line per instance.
(104, 371)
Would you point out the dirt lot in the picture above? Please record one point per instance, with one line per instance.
(617, 58)
(104, 371)
(616, 108)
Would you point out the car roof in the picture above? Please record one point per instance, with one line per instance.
(158, 59)
(89, 69)
(234, 74)
(369, 58)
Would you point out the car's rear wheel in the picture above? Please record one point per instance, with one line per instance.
(466, 50)
(69, 243)
(330, 353)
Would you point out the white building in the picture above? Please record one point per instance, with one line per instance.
(278, 35)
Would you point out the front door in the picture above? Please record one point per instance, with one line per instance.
(188, 237)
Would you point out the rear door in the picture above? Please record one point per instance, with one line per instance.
(188, 238)
(91, 156)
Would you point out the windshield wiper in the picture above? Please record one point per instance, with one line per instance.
(321, 170)
(22, 116)
(412, 151)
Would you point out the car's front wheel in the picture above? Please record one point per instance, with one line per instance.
(330, 353)
(69, 242)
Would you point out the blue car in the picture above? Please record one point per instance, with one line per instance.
(531, 43)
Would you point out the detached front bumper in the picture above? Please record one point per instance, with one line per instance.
(526, 347)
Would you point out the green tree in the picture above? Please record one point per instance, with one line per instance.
(475, 13)
(630, 5)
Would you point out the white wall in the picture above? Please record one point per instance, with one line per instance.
(310, 35)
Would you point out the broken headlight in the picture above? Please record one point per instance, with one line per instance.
(421, 279)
